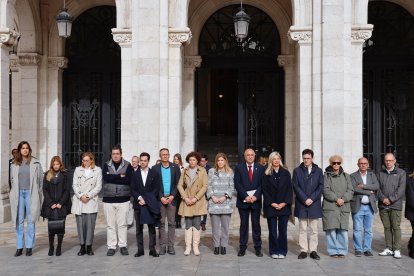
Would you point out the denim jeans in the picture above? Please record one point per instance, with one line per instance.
(24, 206)
(337, 242)
(363, 218)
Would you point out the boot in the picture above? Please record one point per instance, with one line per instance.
(82, 250)
(188, 234)
(51, 244)
(411, 247)
(59, 245)
(196, 241)
(89, 250)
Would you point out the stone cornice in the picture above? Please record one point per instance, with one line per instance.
(303, 35)
(9, 37)
(360, 33)
(286, 60)
(192, 61)
(29, 59)
(57, 62)
(122, 36)
(178, 36)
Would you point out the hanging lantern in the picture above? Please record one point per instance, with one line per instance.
(241, 24)
(64, 23)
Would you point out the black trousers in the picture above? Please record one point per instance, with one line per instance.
(139, 233)
(244, 227)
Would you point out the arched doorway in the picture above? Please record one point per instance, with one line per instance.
(92, 87)
(239, 86)
(389, 85)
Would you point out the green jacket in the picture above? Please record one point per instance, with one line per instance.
(336, 186)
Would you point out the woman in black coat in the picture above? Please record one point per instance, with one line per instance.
(409, 210)
(277, 194)
(56, 204)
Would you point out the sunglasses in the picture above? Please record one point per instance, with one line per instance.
(336, 163)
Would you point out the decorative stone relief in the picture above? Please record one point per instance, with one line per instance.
(122, 36)
(57, 62)
(286, 60)
(14, 63)
(300, 34)
(9, 37)
(178, 36)
(192, 61)
(361, 33)
(29, 59)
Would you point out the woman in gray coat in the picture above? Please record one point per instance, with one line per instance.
(337, 195)
(25, 196)
(220, 204)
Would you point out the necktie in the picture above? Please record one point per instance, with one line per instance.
(250, 174)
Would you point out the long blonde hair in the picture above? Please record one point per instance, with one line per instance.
(269, 168)
(50, 173)
(227, 168)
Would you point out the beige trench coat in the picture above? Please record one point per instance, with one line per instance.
(89, 185)
(198, 189)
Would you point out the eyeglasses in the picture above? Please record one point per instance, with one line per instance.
(336, 163)
(86, 160)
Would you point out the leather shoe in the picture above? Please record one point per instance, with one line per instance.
(28, 252)
(19, 252)
(89, 250)
(139, 253)
(216, 250)
(314, 255)
(154, 253)
(171, 250)
(223, 251)
(241, 253)
(259, 253)
(124, 251)
(82, 250)
(110, 252)
(302, 255)
(163, 250)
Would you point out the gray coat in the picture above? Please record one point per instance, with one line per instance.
(392, 186)
(336, 186)
(371, 185)
(36, 190)
(219, 184)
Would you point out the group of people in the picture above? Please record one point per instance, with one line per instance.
(161, 195)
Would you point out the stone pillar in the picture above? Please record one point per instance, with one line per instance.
(175, 85)
(54, 107)
(288, 63)
(8, 38)
(188, 104)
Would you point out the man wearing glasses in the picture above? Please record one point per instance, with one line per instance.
(390, 196)
(363, 206)
(307, 183)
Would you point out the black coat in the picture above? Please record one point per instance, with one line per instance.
(242, 185)
(175, 177)
(308, 186)
(409, 199)
(56, 192)
(277, 188)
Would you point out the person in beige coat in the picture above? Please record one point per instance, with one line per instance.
(192, 187)
(87, 183)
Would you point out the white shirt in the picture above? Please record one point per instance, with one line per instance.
(87, 171)
(365, 198)
(144, 174)
(309, 169)
(252, 165)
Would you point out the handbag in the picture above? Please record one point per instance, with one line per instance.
(55, 224)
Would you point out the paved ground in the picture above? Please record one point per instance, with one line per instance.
(206, 264)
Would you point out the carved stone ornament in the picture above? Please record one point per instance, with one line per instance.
(9, 37)
(122, 36)
(178, 36)
(192, 61)
(300, 34)
(29, 59)
(361, 33)
(57, 62)
(14, 63)
(286, 60)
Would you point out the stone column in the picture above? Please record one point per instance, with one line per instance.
(177, 36)
(188, 111)
(8, 38)
(288, 63)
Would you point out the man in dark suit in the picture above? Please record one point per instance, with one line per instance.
(145, 188)
(248, 184)
(170, 174)
(363, 206)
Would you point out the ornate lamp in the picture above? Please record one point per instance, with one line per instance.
(241, 23)
(64, 22)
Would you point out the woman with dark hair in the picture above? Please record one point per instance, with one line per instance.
(192, 187)
(87, 183)
(409, 210)
(179, 161)
(56, 204)
(25, 196)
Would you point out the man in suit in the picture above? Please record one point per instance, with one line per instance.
(145, 188)
(170, 174)
(248, 184)
(363, 206)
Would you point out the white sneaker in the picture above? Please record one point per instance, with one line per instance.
(274, 256)
(397, 254)
(387, 252)
(281, 256)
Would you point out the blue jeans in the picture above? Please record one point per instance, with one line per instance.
(278, 243)
(337, 242)
(363, 218)
(24, 206)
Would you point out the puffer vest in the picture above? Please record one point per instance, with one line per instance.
(116, 190)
